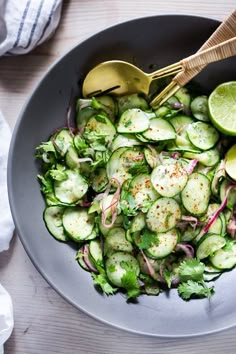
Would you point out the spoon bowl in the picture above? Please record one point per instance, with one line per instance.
(121, 78)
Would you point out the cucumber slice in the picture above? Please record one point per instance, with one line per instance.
(134, 120)
(72, 189)
(151, 157)
(196, 194)
(216, 227)
(84, 114)
(84, 258)
(62, 141)
(182, 142)
(169, 180)
(202, 135)
(117, 264)
(99, 130)
(163, 215)
(131, 101)
(224, 258)
(78, 223)
(53, 220)
(121, 163)
(116, 241)
(159, 130)
(190, 233)
(138, 223)
(231, 200)
(95, 251)
(71, 158)
(206, 158)
(219, 174)
(184, 97)
(199, 108)
(166, 244)
(124, 140)
(209, 245)
(140, 194)
(99, 180)
(180, 123)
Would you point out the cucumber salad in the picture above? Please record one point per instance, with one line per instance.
(143, 193)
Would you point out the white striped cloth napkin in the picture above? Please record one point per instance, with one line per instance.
(24, 24)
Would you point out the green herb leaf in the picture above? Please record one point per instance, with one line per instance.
(81, 146)
(148, 239)
(102, 281)
(129, 281)
(194, 289)
(46, 147)
(46, 183)
(191, 269)
(168, 276)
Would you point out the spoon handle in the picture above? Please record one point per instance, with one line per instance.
(218, 52)
(226, 30)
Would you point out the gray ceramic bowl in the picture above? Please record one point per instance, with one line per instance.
(158, 40)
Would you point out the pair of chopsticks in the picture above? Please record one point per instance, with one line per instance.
(221, 45)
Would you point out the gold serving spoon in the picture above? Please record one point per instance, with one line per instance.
(121, 77)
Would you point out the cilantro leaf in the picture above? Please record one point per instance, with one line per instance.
(191, 269)
(46, 183)
(192, 288)
(46, 147)
(129, 281)
(79, 143)
(102, 281)
(148, 239)
(168, 276)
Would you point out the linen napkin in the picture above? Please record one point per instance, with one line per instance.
(24, 24)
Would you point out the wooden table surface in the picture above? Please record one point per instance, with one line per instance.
(45, 322)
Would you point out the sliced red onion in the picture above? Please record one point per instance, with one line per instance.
(114, 203)
(85, 204)
(176, 105)
(192, 220)
(191, 166)
(149, 266)
(68, 120)
(175, 155)
(85, 103)
(88, 263)
(188, 249)
(84, 159)
(231, 227)
(217, 212)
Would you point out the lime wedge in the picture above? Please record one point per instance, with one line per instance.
(230, 162)
(222, 107)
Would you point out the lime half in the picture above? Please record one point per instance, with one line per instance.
(230, 162)
(222, 107)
